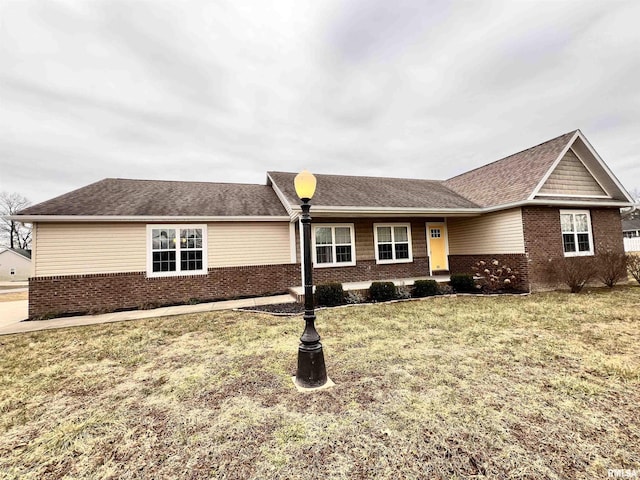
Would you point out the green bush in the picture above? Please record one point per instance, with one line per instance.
(383, 291)
(425, 288)
(463, 282)
(329, 294)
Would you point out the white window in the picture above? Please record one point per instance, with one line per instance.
(12, 272)
(176, 250)
(393, 243)
(333, 245)
(577, 238)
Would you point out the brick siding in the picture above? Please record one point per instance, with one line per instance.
(517, 261)
(366, 270)
(543, 239)
(81, 294)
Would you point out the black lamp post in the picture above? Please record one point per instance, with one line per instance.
(311, 372)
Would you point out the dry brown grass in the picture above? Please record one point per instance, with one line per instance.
(545, 386)
(13, 296)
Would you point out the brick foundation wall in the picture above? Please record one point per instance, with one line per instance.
(517, 261)
(543, 239)
(80, 294)
(366, 270)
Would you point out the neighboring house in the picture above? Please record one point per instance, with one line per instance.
(631, 233)
(119, 244)
(15, 264)
(631, 227)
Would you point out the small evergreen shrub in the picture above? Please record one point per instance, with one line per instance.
(329, 294)
(574, 272)
(463, 283)
(425, 288)
(611, 267)
(633, 266)
(382, 291)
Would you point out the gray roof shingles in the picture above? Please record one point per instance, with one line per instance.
(375, 192)
(511, 179)
(124, 197)
(629, 224)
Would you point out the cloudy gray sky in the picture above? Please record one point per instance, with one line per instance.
(226, 90)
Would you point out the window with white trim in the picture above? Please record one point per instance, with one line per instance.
(393, 243)
(176, 250)
(577, 237)
(333, 245)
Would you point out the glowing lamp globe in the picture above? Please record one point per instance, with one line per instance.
(305, 184)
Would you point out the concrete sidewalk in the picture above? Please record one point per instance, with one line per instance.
(12, 314)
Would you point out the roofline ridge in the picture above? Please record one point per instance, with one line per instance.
(367, 176)
(181, 181)
(573, 132)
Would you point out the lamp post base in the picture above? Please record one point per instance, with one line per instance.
(328, 384)
(311, 372)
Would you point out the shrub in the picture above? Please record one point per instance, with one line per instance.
(496, 276)
(612, 267)
(633, 266)
(382, 291)
(403, 292)
(575, 272)
(462, 282)
(425, 288)
(354, 297)
(329, 294)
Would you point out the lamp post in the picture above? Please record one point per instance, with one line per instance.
(311, 372)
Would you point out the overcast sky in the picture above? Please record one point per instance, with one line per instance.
(224, 91)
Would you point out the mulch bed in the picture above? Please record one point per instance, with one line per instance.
(281, 308)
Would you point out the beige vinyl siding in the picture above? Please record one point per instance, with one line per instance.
(571, 177)
(248, 243)
(493, 233)
(85, 248)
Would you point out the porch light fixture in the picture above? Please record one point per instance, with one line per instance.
(311, 372)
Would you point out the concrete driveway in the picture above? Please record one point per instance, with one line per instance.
(12, 313)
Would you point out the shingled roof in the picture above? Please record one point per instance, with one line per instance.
(374, 192)
(511, 179)
(155, 198)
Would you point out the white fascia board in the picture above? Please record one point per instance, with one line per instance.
(553, 166)
(324, 209)
(573, 203)
(143, 219)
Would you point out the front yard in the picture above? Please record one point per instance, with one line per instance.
(543, 386)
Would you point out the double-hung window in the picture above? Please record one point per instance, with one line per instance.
(176, 250)
(393, 243)
(333, 245)
(577, 238)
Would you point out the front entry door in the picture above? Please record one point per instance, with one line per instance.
(437, 243)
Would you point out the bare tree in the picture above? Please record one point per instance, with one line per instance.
(13, 233)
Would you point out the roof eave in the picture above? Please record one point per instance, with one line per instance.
(146, 218)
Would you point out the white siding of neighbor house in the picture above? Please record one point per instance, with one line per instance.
(493, 233)
(12, 261)
(84, 248)
(571, 177)
(90, 248)
(249, 243)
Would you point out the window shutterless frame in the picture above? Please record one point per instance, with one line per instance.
(331, 247)
(176, 249)
(577, 234)
(392, 242)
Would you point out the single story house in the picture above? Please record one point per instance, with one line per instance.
(15, 264)
(120, 244)
(631, 227)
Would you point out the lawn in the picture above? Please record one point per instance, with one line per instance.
(535, 387)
